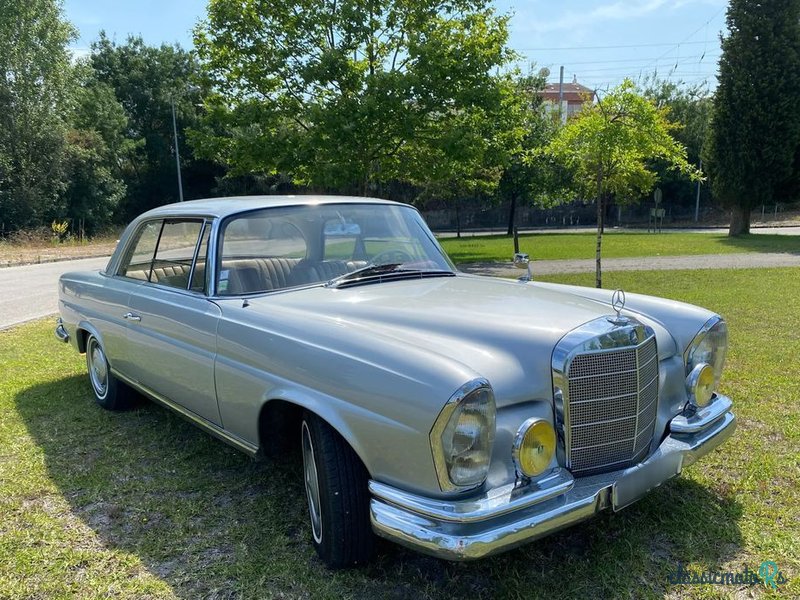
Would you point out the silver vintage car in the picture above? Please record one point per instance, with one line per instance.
(455, 414)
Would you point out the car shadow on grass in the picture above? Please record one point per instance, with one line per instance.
(211, 522)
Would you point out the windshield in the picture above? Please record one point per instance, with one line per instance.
(278, 248)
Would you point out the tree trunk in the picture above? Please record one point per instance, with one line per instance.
(740, 221)
(598, 266)
(512, 214)
(458, 221)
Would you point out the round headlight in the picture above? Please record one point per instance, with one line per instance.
(534, 446)
(463, 435)
(709, 346)
(700, 385)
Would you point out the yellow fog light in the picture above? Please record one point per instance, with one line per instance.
(700, 385)
(534, 446)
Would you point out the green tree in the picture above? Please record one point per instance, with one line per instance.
(98, 154)
(348, 94)
(609, 146)
(34, 90)
(532, 176)
(92, 192)
(756, 124)
(146, 80)
(690, 108)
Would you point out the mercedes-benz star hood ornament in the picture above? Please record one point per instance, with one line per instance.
(618, 303)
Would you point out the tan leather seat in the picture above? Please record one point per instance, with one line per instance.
(250, 275)
(313, 272)
(175, 275)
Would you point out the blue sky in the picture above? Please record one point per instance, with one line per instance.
(600, 42)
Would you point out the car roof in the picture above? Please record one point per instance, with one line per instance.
(223, 207)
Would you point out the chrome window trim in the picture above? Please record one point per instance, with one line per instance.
(196, 253)
(611, 337)
(439, 425)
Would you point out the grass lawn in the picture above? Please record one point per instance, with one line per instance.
(141, 504)
(543, 246)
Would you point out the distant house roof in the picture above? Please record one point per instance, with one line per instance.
(573, 93)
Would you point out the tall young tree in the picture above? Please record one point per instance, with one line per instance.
(756, 123)
(34, 88)
(610, 147)
(349, 93)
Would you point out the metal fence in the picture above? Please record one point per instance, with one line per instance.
(584, 215)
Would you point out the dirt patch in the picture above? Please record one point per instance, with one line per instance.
(13, 255)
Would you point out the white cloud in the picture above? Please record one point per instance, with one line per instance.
(620, 10)
(79, 52)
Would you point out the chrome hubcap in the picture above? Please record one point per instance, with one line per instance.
(312, 484)
(98, 369)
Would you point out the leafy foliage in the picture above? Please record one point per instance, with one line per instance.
(146, 80)
(690, 108)
(349, 93)
(755, 140)
(610, 146)
(34, 87)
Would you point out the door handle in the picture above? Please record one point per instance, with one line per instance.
(131, 317)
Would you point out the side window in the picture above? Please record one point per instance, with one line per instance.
(175, 253)
(199, 273)
(138, 262)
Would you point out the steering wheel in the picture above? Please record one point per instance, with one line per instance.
(392, 256)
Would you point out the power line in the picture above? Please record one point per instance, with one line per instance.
(627, 60)
(683, 42)
(649, 66)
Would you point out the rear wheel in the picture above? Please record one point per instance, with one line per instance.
(109, 392)
(336, 491)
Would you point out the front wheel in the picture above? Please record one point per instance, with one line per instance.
(109, 392)
(336, 491)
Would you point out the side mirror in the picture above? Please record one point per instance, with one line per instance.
(523, 261)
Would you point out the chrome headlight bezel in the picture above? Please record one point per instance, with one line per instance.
(547, 436)
(709, 345)
(478, 391)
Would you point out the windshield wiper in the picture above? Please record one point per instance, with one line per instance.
(370, 269)
(372, 273)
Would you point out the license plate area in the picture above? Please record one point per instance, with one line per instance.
(639, 480)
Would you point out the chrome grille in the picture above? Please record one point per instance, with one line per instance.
(610, 406)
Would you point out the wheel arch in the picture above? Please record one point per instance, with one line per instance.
(279, 427)
(82, 332)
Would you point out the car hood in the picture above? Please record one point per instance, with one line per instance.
(499, 329)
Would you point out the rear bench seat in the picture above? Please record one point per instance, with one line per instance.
(175, 275)
(248, 275)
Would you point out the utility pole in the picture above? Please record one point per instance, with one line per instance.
(697, 200)
(561, 94)
(177, 152)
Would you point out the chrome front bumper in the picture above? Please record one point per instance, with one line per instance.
(509, 516)
(60, 332)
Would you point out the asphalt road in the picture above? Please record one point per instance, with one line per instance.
(31, 291)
